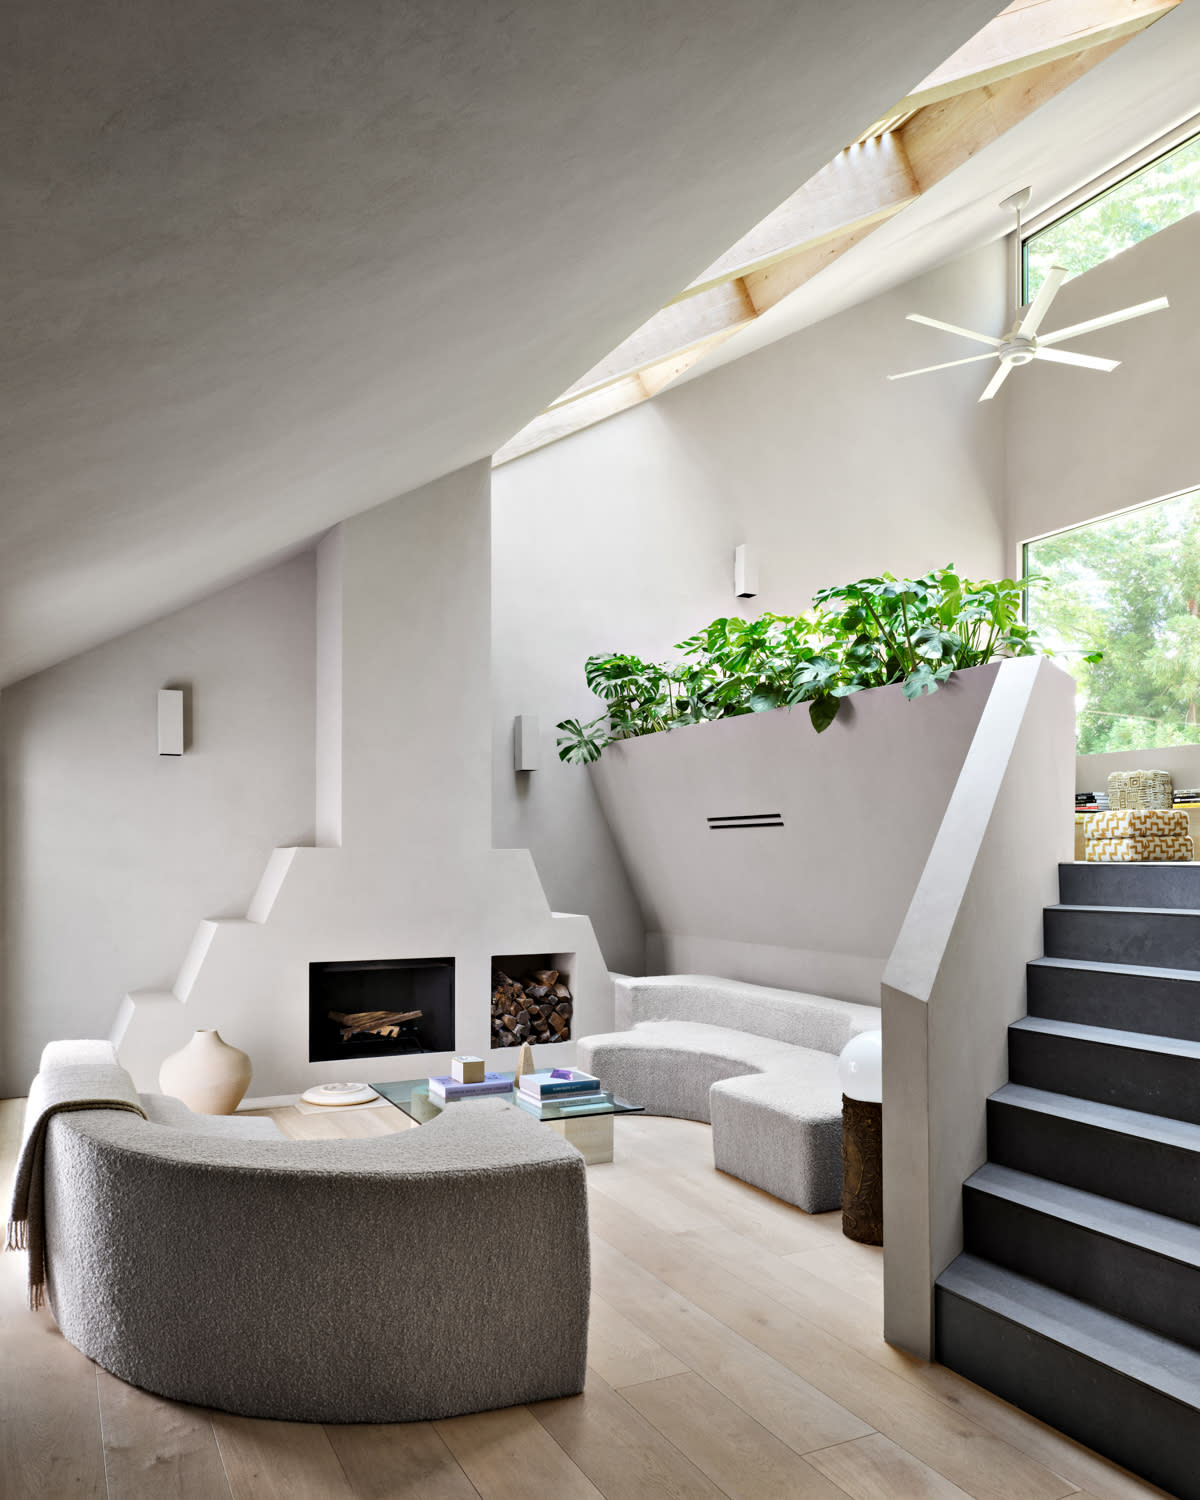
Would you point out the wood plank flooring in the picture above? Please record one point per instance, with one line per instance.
(735, 1354)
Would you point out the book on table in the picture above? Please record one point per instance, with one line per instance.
(559, 1084)
(561, 1106)
(445, 1087)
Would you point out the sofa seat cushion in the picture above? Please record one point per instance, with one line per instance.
(782, 1132)
(669, 1067)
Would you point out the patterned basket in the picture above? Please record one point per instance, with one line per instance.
(1139, 789)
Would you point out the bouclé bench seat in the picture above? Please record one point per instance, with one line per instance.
(758, 1064)
(213, 1261)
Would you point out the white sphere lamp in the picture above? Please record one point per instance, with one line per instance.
(860, 1067)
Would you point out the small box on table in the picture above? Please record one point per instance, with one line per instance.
(466, 1069)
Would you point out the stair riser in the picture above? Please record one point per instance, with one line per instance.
(1125, 1002)
(1149, 1174)
(1130, 885)
(1159, 1293)
(1154, 1083)
(1110, 1412)
(1164, 940)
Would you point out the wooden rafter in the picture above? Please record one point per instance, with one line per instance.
(1025, 56)
(723, 308)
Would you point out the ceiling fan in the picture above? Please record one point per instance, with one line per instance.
(1021, 343)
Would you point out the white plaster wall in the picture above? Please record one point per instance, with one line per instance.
(1081, 444)
(814, 905)
(404, 609)
(621, 537)
(111, 852)
(955, 979)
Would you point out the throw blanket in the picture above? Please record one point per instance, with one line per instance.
(75, 1086)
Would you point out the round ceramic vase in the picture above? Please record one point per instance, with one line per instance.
(208, 1075)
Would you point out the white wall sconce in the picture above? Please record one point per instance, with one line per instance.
(745, 571)
(527, 750)
(170, 721)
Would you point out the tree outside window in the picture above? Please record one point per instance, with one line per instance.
(1160, 195)
(1128, 587)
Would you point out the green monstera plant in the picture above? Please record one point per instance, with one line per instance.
(914, 631)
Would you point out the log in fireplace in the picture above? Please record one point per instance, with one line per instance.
(380, 1008)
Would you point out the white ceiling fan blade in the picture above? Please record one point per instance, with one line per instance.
(1040, 305)
(1105, 322)
(1087, 361)
(949, 365)
(980, 338)
(995, 382)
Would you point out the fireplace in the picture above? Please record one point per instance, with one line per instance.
(380, 1008)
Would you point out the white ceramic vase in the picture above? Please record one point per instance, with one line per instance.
(208, 1075)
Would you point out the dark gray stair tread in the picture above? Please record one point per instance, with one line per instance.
(1132, 911)
(1142, 1041)
(1131, 1122)
(1156, 1233)
(1142, 971)
(1174, 882)
(1159, 1363)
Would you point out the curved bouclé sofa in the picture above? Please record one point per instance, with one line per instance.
(759, 1064)
(380, 1280)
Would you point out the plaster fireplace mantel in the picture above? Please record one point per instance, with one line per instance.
(403, 866)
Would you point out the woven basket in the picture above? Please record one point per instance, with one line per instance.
(1139, 789)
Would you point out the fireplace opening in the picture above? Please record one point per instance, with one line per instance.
(532, 1000)
(380, 1008)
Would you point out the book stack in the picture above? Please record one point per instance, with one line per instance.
(467, 1080)
(558, 1087)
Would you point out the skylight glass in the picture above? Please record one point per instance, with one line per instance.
(1159, 195)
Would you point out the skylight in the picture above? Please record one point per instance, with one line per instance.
(1023, 57)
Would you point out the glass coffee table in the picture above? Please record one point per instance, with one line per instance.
(585, 1122)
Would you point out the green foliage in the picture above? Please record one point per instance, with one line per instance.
(1165, 192)
(915, 631)
(1128, 588)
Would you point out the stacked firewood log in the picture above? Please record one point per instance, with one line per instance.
(373, 1022)
(536, 1008)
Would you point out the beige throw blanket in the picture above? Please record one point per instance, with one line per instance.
(55, 1089)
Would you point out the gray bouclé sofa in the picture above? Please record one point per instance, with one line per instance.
(214, 1262)
(759, 1064)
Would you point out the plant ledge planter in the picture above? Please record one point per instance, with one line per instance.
(764, 852)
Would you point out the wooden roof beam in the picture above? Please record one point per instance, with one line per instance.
(680, 326)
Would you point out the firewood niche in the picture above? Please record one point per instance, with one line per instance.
(531, 1000)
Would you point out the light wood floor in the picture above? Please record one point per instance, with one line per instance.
(735, 1351)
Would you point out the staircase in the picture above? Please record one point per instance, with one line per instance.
(1077, 1296)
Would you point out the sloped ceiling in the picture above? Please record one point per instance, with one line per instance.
(269, 264)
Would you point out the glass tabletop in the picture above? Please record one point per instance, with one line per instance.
(412, 1096)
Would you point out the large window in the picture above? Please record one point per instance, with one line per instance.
(1160, 194)
(1128, 587)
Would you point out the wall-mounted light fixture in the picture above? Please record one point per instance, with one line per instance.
(745, 571)
(170, 721)
(526, 743)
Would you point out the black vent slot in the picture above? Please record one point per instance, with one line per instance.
(746, 820)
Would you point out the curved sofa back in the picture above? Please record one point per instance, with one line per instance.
(784, 1015)
(328, 1281)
